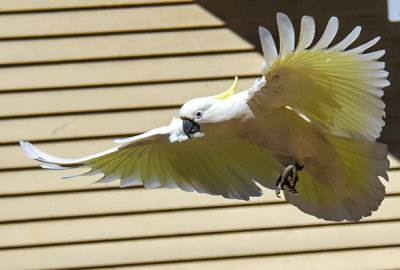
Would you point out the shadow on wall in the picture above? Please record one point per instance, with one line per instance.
(244, 17)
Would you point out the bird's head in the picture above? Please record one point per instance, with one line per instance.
(203, 110)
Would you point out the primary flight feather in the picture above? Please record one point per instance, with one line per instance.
(307, 127)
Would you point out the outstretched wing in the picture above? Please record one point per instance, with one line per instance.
(338, 90)
(224, 166)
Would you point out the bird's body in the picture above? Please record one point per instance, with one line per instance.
(314, 115)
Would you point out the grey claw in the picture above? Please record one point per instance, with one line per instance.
(277, 192)
(289, 179)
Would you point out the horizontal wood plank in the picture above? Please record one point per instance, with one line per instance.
(112, 98)
(85, 125)
(45, 181)
(210, 246)
(130, 71)
(394, 160)
(170, 224)
(106, 21)
(119, 200)
(149, 225)
(27, 5)
(120, 46)
(374, 258)
(111, 201)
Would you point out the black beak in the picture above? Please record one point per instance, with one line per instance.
(190, 127)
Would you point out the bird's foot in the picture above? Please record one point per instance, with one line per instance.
(288, 179)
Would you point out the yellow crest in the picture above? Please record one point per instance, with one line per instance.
(228, 92)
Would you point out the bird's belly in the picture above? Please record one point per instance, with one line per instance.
(285, 133)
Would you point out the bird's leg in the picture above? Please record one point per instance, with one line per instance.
(288, 179)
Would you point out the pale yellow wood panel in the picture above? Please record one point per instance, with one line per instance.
(145, 44)
(130, 71)
(41, 180)
(394, 161)
(108, 98)
(101, 21)
(152, 224)
(183, 222)
(393, 185)
(28, 5)
(370, 259)
(85, 125)
(118, 200)
(111, 201)
(264, 242)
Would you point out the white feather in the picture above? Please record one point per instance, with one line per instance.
(132, 180)
(307, 32)
(108, 178)
(365, 46)
(328, 35)
(342, 45)
(68, 176)
(371, 65)
(268, 46)
(379, 83)
(286, 34)
(54, 166)
(371, 56)
(34, 153)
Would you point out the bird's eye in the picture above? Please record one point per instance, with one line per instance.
(199, 114)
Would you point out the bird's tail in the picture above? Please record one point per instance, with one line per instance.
(351, 198)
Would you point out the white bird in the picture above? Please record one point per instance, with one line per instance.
(308, 127)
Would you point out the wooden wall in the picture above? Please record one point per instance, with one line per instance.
(74, 74)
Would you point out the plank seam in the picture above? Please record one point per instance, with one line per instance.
(90, 112)
(237, 257)
(153, 82)
(92, 7)
(66, 191)
(111, 33)
(198, 234)
(146, 212)
(139, 212)
(126, 58)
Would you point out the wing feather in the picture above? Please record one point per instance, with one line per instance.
(328, 35)
(365, 46)
(286, 34)
(225, 166)
(338, 90)
(268, 46)
(157, 166)
(307, 32)
(347, 41)
(372, 55)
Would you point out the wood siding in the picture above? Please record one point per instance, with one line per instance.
(76, 74)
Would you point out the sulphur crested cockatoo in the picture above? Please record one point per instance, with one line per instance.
(308, 127)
